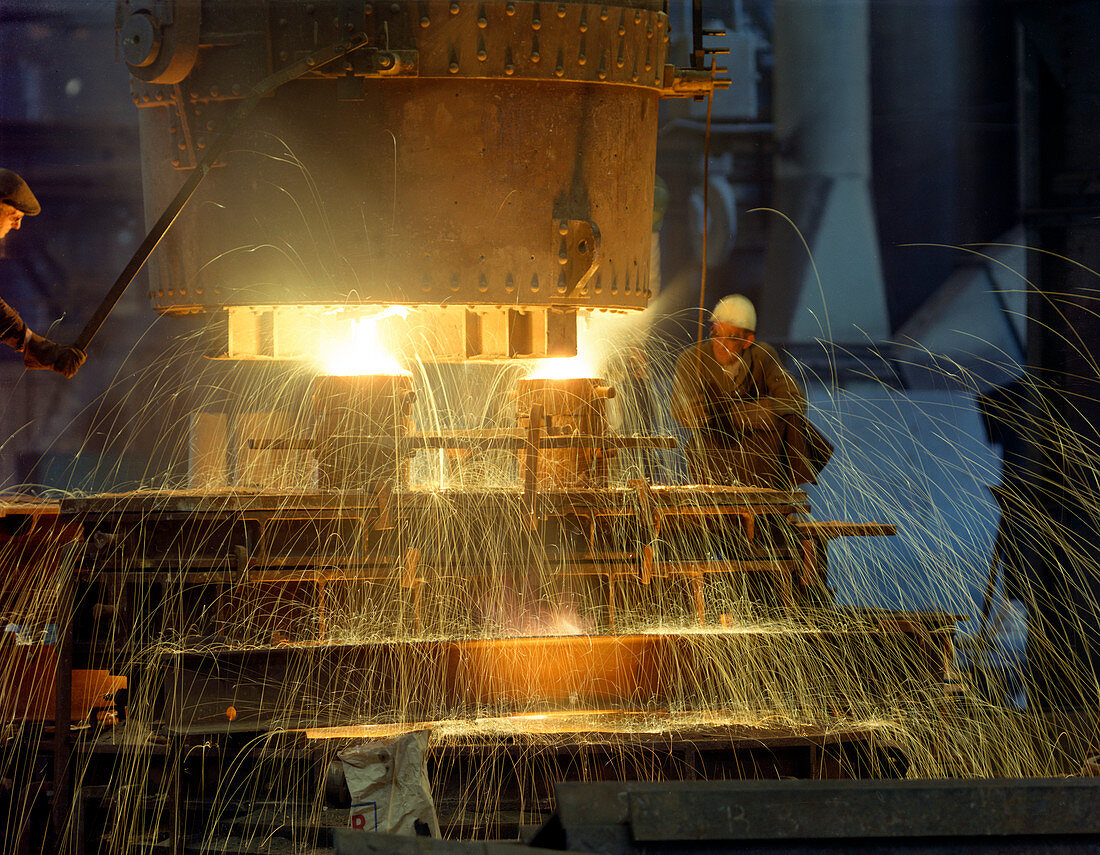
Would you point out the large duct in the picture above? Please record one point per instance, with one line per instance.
(831, 286)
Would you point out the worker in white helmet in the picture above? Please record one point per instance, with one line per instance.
(746, 413)
(17, 201)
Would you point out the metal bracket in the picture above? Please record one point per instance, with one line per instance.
(692, 82)
(578, 245)
(373, 63)
(379, 62)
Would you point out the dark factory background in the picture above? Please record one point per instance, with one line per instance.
(225, 559)
(891, 204)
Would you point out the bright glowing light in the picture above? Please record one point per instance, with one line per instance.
(360, 349)
(594, 341)
(563, 369)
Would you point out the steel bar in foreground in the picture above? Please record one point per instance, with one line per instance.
(1007, 815)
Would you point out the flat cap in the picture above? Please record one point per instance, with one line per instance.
(15, 192)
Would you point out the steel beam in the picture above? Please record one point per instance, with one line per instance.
(1011, 815)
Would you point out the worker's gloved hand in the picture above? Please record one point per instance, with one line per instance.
(39, 352)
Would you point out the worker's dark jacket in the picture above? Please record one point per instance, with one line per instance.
(12, 328)
(748, 424)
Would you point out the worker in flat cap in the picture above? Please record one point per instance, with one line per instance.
(17, 201)
(746, 413)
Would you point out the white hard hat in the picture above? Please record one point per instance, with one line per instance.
(736, 310)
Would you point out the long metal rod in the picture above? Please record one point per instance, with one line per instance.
(160, 228)
(484, 443)
(706, 215)
(697, 53)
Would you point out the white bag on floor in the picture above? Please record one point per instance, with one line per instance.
(388, 780)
